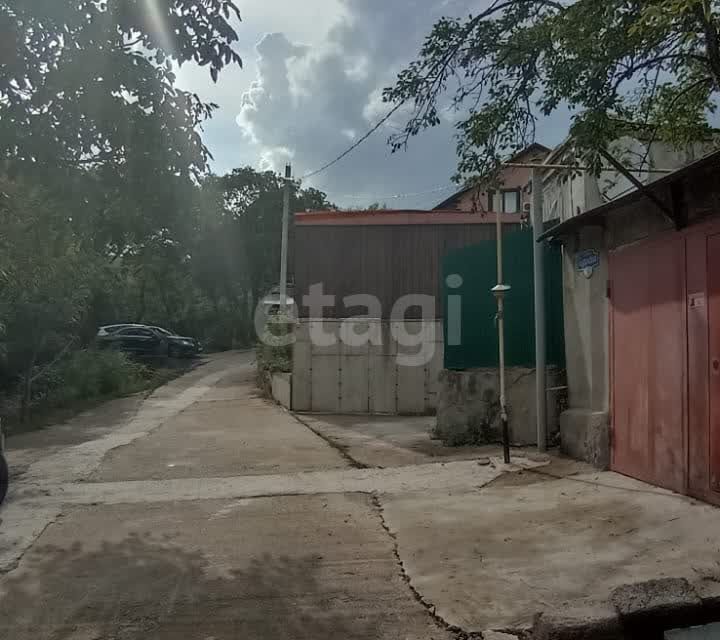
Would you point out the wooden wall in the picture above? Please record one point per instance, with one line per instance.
(382, 260)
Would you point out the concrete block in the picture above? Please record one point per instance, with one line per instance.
(301, 391)
(383, 382)
(356, 335)
(354, 384)
(708, 589)
(326, 383)
(654, 600)
(324, 336)
(410, 390)
(302, 331)
(591, 621)
(302, 383)
(282, 389)
(585, 435)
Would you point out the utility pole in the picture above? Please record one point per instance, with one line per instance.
(540, 332)
(284, 251)
(499, 292)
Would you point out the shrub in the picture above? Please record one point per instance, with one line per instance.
(90, 373)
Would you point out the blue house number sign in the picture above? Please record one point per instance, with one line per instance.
(587, 261)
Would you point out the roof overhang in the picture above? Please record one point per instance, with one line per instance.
(655, 190)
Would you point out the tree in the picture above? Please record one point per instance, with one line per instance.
(88, 82)
(43, 281)
(647, 68)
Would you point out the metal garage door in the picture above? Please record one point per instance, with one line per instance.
(665, 361)
(648, 361)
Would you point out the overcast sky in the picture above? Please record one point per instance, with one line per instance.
(310, 85)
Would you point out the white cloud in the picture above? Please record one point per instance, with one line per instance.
(313, 85)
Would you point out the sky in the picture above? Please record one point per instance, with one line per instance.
(310, 85)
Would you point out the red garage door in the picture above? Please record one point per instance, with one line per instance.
(648, 361)
(665, 361)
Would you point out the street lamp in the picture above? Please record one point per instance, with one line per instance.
(499, 292)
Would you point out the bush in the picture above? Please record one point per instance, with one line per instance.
(273, 354)
(91, 373)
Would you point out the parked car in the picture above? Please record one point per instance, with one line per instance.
(195, 341)
(146, 341)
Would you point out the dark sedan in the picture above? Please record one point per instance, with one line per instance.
(148, 341)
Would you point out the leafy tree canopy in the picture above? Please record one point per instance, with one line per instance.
(647, 68)
(88, 82)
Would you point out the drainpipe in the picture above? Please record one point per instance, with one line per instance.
(540, 333)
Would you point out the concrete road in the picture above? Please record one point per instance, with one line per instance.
(206, 512)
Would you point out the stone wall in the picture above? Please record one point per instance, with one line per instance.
(469, 405)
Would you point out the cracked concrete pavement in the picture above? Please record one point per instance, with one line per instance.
(207, 512)
(204, 511)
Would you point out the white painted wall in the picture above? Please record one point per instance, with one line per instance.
(565, 195)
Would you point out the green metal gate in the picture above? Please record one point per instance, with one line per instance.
(476, 343)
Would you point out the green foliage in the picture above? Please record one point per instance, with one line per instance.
(88, 81)
(89, 373)
(647, 68)
(127, 225)
(274, 351)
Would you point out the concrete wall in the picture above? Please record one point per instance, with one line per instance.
(282, 389)
(353, 375)
(469, 406)
(584, 426)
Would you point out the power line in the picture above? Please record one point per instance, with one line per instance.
(392, 196)
(355, 145)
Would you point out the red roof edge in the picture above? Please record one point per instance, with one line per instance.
(399, 217)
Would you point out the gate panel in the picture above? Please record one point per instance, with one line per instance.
(713, 278)
(667, 365)
(648, 360)
(698, 365)
(630, 316)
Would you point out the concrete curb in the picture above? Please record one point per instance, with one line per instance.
(636, 610)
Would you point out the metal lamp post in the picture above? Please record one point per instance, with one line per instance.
(499, 292)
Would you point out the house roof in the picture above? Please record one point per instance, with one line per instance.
(597, 215)
(399, 217)
(535, 146)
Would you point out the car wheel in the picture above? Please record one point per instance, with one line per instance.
(3, 478)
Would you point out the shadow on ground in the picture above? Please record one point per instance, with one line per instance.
(144, 588)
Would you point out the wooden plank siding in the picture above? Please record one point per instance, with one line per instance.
(386, 261)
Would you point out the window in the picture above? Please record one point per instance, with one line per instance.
(143, 333)
(511, 201)
(491, 200)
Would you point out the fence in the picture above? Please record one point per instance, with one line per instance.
(477, 265)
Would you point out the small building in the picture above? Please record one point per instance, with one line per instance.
(367, 284)
(511, 194)
(642, 330)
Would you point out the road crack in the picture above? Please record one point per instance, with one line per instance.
(457, 632)
(342, 450)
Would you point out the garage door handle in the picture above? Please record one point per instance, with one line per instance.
(716, 366)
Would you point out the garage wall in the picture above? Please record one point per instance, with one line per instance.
(366, 378)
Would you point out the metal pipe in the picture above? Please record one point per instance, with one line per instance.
(284, 250)
(500, 293)
(539, 287)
